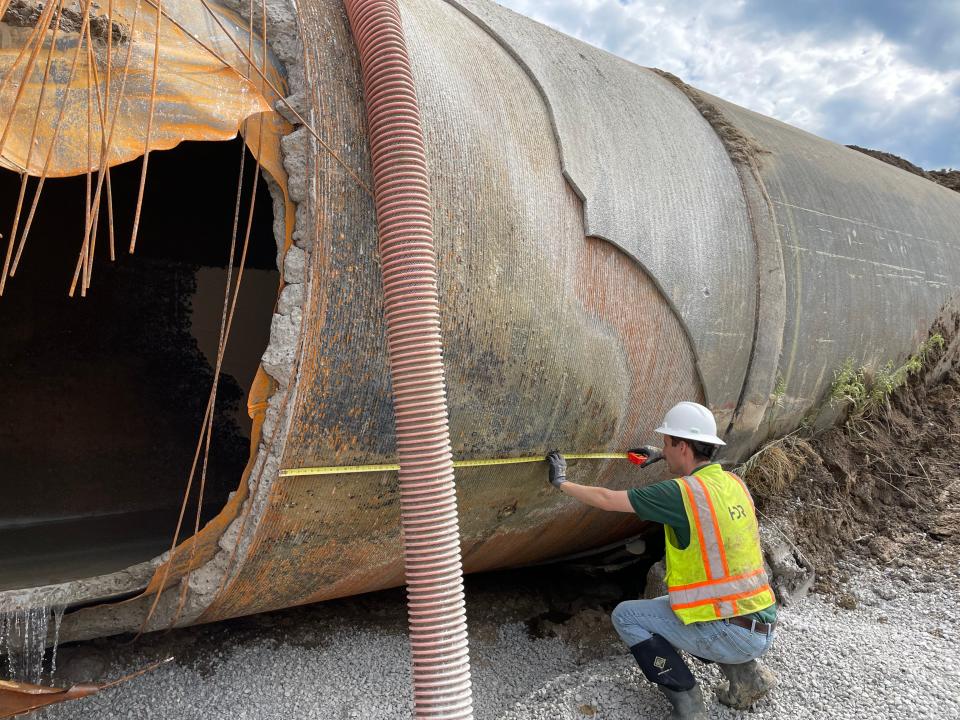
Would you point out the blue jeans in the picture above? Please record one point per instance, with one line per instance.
(717, 640)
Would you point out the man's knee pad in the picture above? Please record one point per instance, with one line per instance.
(662, 664)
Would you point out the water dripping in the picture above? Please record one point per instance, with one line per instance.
(57, 619)
(5, 641)
(25, 630)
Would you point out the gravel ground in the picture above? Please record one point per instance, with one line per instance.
(892, 654)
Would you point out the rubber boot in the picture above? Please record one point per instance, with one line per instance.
(687, 704)
(747, 683)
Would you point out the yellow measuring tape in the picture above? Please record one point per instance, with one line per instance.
(346, 469)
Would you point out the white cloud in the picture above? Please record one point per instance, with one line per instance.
(807, 79)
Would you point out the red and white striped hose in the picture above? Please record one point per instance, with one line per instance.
(428, 504)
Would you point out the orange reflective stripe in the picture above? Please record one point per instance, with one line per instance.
(716, 526)
(706, 583)
(696, 521)
(714, 601)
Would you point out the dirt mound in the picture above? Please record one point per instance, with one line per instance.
(948, 178)
(885, 486)
(587, 632)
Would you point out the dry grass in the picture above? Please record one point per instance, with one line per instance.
(741, 147)
(771, 470)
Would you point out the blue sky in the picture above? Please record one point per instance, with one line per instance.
(883, 74)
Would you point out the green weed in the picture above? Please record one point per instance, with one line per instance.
(864, 390)
(779, 390)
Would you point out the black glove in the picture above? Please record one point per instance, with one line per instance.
(651, 453)
(558, 468)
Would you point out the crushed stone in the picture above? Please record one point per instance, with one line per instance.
(893, 655)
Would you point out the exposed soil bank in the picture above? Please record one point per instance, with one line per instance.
(948, 178)
(884, 486)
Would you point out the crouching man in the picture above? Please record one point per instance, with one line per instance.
(719, 606)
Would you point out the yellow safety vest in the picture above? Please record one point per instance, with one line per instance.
(720, 573)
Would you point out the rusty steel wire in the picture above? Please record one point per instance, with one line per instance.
(333, 153)
(35, 46)
(103, 125)
(33, 135)
(88, 205)
(226, 321)
(101, 109)
(146, 142)
(57, 126)
(105, 159)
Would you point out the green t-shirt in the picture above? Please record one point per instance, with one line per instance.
(662, 502)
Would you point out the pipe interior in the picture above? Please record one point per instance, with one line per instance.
(103, 397)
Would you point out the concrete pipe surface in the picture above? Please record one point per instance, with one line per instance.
(609, 241)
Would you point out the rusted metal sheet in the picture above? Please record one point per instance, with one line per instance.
(20, 698)
(204, 86)
(17, 698)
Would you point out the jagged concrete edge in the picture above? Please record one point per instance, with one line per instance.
(204, 582)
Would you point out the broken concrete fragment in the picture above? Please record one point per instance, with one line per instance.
(656, 584)
(269, 421)
(26, 13)
(790, 575)
(296, 149)
(290, 297)
(306, 230)
(294, 265)
(284, 332)
(292, 106)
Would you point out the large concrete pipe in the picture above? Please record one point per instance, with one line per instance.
(609, 241)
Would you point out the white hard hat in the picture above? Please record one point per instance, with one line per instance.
(690, 421)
